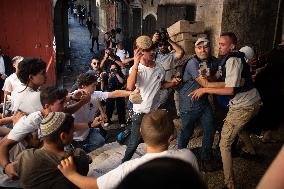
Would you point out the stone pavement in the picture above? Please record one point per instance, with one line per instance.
(80, 55)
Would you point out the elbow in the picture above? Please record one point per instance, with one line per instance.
(180, 54)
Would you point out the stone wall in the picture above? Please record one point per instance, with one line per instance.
(210, 12)
(252, 21)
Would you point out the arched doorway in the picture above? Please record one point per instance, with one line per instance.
(149, 25)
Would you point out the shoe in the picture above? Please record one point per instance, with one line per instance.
(122, 125)
(211, 165)
(248, 156)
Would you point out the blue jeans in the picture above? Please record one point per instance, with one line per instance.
(93, 141)
(135, 136)
(188, 120)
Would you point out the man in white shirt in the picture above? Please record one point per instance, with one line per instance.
(157, 131)
(12, 82)
(89, 138)
(149, 77)
(32, 73)
(6, 69)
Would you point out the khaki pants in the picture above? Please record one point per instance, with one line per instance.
(235, 120)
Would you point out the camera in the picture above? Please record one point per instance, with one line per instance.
(114, 70)
(163, 35)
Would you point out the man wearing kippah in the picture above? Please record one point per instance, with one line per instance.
(149, 77)
(37, 168)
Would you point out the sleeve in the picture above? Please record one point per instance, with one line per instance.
(26, 125)
(191, 70)
(7, 85)
(100, 95)
(112, 178)
(233, 72)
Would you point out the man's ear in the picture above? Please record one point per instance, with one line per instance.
(45, 106)
(233, 46)
(63, 137)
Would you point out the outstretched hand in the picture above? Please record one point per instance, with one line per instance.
(195, 95)
(67, 167)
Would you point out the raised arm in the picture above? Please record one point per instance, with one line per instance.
(179, 50)
(134, 69)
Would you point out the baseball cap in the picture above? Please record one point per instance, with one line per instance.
(202, 39)
(248, 51)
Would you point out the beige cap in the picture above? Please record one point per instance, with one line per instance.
(51, 123)
(144, 42)
(201, 39)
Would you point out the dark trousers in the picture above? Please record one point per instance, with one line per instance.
(135, 136)
(120, 107)
(97, 41)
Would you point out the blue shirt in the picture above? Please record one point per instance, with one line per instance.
(189, 85)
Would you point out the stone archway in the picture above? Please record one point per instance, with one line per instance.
(149, 25)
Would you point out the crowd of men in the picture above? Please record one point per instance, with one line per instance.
(47, 132)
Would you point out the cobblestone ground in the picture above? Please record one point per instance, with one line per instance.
(247, 172)
(80, 55)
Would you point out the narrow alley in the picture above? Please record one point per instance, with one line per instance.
(196, 80)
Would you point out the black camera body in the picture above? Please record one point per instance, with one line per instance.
(163, 35)
(114, 70)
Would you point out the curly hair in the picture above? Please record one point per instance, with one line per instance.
(29, 66)
(86, 79)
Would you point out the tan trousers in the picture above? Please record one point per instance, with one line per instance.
(235, 120)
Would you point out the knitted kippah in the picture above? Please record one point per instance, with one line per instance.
(144, 42)
(51, 123)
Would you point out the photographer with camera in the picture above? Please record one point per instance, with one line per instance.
(109, 59)
(115, 82)
(167, 58)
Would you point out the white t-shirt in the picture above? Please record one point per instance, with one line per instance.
(122, 54)
(114, 177)
(11, 83)
(87, 113)
(25, 99)
(25, 125)
(234, 69)
(149, 82)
